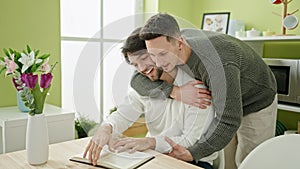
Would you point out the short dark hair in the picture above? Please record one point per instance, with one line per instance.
(161, 24)
(134, 44)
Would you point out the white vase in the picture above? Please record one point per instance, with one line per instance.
(37, 139)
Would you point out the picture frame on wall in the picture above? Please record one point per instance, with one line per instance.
(216, 22)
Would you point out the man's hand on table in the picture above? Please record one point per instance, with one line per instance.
(179, 151)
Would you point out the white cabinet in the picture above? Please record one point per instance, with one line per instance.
(272, 38)
(13, 125)
(292, 108)
(257, 43)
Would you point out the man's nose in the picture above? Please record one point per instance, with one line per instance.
(158, 62)
(142, 67)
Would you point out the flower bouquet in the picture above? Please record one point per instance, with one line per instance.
(25, 67)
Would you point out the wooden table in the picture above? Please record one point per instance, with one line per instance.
(60, 153)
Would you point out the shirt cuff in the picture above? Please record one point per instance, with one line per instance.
(113, 131)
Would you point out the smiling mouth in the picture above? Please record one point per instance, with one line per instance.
(148, 71)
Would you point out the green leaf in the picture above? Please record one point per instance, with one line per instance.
(39, 97)
(6, 52)
(1, 70)
(39, 64)
(33, 68)
(31, 112)
(27, 104)
(17, 55)
(2, 59)
(8, 74)
(11, 51)
(28, 48)
(44, 56)
(36, 53)
(24, 52)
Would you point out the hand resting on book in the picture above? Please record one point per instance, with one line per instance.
(101, 138)
(134, 144)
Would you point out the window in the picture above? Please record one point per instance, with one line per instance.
(92, 65)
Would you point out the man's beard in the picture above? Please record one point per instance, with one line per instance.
(159, 72)
(157, 76)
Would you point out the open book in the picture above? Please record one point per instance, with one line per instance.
(112, 160)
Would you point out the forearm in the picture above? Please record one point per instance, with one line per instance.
(229, 112)
(193, 93)
(145, 87)
(212, 142)
(121, 122)
(118, 123)
(106, 127)
(217, 136)
(127, 113)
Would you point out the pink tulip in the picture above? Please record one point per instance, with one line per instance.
(29, 79)
(46, 80)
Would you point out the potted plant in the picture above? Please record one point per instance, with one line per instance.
(83, 126)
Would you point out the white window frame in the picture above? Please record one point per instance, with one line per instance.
(139, 6)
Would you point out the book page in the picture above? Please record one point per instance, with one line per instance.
(117, 160)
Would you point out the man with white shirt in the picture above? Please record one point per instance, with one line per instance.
(164, 117)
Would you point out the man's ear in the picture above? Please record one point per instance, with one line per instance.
(180, 43)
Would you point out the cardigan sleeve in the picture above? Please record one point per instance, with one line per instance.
(226, 121)
(145, 87)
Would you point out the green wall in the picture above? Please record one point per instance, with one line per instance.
(36, 23)
(177, 7)
(289, 119)
(277, 49)
(150, 6)
(255, 14)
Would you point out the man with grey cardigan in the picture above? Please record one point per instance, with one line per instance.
(242, 85)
